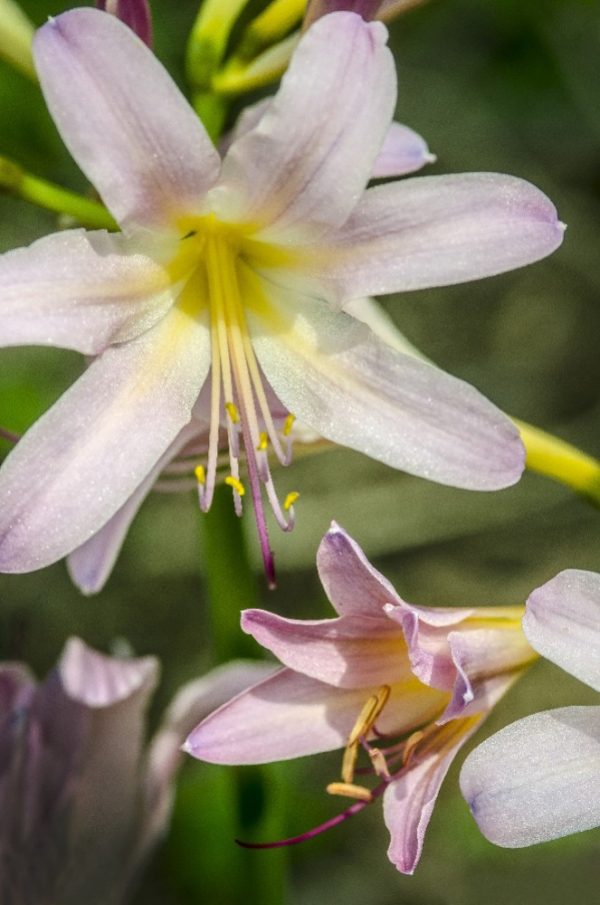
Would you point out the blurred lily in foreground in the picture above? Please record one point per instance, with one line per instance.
(539, 778)
(221, 298)
(407, 685)
(82, 800)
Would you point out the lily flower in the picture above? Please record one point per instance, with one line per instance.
(407, 684)
(539, 778)
(221, 299)
(82, 801)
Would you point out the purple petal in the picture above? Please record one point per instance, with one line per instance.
(436, 231)
(409, 800)
(562, 622)
(355, 390)
(403, 151)
(83, 290)
(82, 460)
(123, 119)
(290, 715)
(349, 652)
(305, 165)
(537, 779)
(353, 585)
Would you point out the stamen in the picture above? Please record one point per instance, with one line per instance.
(369, 714)
(349, 790)
(263, 442)
(200, 474)
(291, 499)
(288, 424)
(410, 746)
(379, 762)
(237, 485)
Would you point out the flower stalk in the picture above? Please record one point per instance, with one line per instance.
(14, 180)
(561, 461)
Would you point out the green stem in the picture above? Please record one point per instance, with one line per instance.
(254, 795)
(16, 181)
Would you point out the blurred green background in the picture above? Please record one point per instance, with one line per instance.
(501, 86)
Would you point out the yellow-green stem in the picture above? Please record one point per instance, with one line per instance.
(557, 459)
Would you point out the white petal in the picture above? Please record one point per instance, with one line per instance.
(83, 290)
(538, 779)
(123, 118)
(305, 165)
(353, 389)
(82, 460)
(436, 231)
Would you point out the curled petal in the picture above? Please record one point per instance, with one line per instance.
(538, 779)
(436, 231)
(82, 290)
(304, 166)
(562, 622)
(355, 390)
(403, 151)
(80, 462)
(123, 119)
(352, 584)
(409, 800)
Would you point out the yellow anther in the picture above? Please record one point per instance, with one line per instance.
(236, 484)
(288, 424)
(369, 714)
(232, 411)
(200, 474)
(349, 762)
(349, 790)
(263, 442)
(290, 499)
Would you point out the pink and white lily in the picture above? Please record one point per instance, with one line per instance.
(82, 801)
(539, 778)
(407, 684)
(221, 298)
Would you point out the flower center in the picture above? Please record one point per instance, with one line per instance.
(239, 397)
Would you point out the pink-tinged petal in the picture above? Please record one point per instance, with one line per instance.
(537, 779)
(248, 119)
(290, 715)
(305, 165)
(353, 389)
(562, 622)
(409, 800)
(91, 564)
(134, 13)
(436, 231)
(83, 290)
(348, 652)
(352, 584)
(123, 119)
(81, 461)
(426, 631)
(99, 681)
(403, 151)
